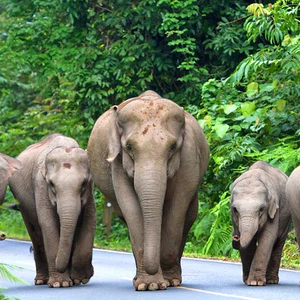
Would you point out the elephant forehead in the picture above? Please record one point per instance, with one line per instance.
(249, 186)
(67, 157)
(157, 110)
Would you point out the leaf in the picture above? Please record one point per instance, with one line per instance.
(266, 87)
(252, 89)
(7, 275)
(247, 108)
(221, 130)
(280, 105)
(229, 108)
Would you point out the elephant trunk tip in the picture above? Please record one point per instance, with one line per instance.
(236, 242)
(151, 270)
(151, 265)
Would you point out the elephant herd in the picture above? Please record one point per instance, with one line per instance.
(147, 156)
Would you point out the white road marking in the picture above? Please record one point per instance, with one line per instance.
(215, 293)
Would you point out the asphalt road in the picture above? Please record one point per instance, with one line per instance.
(202, 279)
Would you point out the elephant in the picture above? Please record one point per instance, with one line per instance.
(261, 220)
(293, 198)
(147, 157)
(8, 166)
(54, 189)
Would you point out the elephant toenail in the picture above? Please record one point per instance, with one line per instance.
(142, 287)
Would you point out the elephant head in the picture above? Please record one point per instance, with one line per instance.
(253, 201)
(8, 166)
(69, 183)
(147, 134)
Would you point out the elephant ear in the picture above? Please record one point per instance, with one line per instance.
(114, 142)
(87, 195)
(273, 204)
(43, 170)
(235, 223)
(174, 162)
(273, 197)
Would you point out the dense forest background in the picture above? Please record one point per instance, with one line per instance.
(234, 65)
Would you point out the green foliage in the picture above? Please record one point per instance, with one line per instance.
(252, 115)
(12, 223)
(7, 275)
(118, 238)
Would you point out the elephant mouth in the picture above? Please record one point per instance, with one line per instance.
(236, 242)
(235, 238)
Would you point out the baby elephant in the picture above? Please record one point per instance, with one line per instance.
(55, 191)
(293, 197)
(261, 220)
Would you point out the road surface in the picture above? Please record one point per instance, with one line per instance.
(202, 279)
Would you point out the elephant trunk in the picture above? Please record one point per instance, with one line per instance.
(150, 184)
(68, 216)
(248, 228)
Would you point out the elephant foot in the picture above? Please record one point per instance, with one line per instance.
(144, 282)
(82, 274)
(272, 279)
(60, 280)
(254, 281)
(41, 279)
(173, 275)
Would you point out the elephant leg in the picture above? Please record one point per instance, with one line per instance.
(190, 218)
(132, 213)
(81, 268)
(274, 263)
(257, 275)
(179, 215)
(247, 258)
(35, 233)
(49, 223)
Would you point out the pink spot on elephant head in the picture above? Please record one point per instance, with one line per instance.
(67, 166)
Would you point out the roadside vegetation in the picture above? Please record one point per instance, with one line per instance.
(234, 66)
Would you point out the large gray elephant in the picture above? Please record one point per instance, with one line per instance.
(293, 197)
(55, 191)
(147, 157)
(261, 220)
(8, 166)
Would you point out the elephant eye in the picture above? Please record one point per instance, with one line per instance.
(84, 184)
(52, 187)
(128, 147)
(235, 210)
(173, 147)
(261, 210)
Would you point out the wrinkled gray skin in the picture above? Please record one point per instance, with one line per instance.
(148, 157)
(261, 220)
(8, 166)
(293, 197)
(55, 191)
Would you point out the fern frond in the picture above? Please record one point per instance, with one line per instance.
(7, 275)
